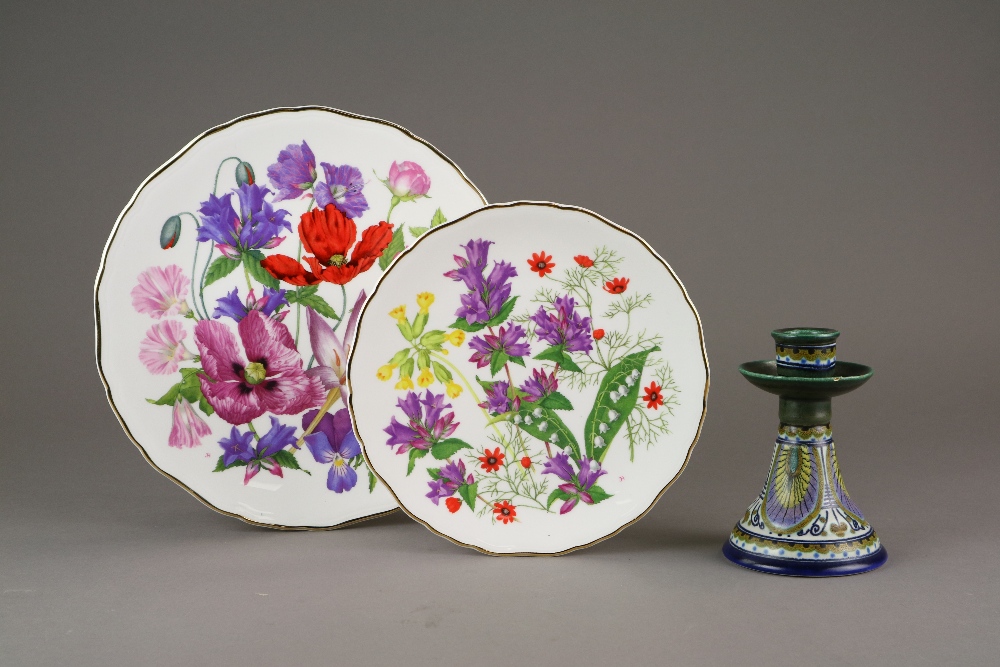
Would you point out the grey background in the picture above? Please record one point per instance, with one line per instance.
(796, 163)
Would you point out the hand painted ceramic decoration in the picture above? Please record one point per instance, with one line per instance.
(804, 523)
(229, 293)
(528, 379)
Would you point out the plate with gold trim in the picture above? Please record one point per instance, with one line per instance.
(528, 379)
(227, 298)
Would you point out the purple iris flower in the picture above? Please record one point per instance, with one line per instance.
(486, 294)
(539, 385)
(342, 188)
(334, 442)
(564, 326)
(426, 422)
(509, 341)
(576, 485)
(231, 305)
(256, 226)
(294, 173)
(497, 400)
(450, 477)
(240, 447)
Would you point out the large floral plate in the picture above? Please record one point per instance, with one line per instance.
(228, 295)
(528, 379)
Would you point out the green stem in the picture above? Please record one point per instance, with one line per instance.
(393, 204)
(253, 430)
(215, 188)
(200, 312)
(298, 306)
(246, 272)
(343, 311)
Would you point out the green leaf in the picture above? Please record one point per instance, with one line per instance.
(205, 406)
(395, 247)
(558, 494)
(598, 494)
(544, 424)
(485, 384)
(219, 269)
(299, 293)
(605, 406)
(441, 372)
(405, 329)
(556, 401)
(319, 304)
(569, 364)
(501, 317)
(414, 455)
(251, 260)
(462, 324)
(168, 398)
(468, 493)
(517, 360)
(372, 481)
(417, 231)
(557, 353)
(423, 359)
(286, 459)
(435, 473)
(447, 448)
(497, 360)
(438, 218)
(220, 465)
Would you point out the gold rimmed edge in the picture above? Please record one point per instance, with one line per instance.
(114, 232)
(613, 225)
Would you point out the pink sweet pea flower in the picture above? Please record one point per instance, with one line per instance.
(273, 381)
(408, 180)
(188, 428)
(161, 292)
(163, 349)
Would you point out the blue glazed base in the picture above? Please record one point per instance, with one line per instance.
(804, 568)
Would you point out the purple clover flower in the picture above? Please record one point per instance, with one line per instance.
(334, 442)
(497, 401)
(539, 385)
(256, 226)
(564, 326)
(231, 305)
(426, 423)
(450, 477)
(486, 294)
(342, 188)
(294, 173)
(576, 485)
(509, 341)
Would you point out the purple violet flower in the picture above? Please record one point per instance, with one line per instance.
(497, 400)
(333, 441)
(450, 477)
(486, 294)
(539, 385)
(425, 422)
(576, 485)
(564, 327)
(231, 305)
(507, 342)
(294, 173)
(342, 188)
(257, 225)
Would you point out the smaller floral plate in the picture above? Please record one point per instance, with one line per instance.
(528, 379)
(227, 300)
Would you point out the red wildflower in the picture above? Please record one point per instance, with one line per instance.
(504, 511)
(328, 236)
(453, 504)
(541, 263)
(526, 462)
(584, 261)
(616, 286)
(598, 334)
(653, 397)
(491, 460)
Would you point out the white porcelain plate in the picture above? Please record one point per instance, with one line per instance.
(528, 379)
(227, 297)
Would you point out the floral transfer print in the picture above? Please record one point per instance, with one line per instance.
(257, 334)
(525, 365)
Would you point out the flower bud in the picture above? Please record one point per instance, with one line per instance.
(408, 181)
(244, 174)
(170, 233)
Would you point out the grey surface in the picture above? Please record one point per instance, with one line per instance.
(796, 164)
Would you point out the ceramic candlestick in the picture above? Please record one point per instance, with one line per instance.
(804, 523)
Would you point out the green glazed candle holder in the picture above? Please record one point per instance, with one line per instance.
(804, 523)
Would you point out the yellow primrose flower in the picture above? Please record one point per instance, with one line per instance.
(456, 337)
(425, 379)
(385, 372)
(404, 383)
(398, 313)
(424, 300)
(453, 390)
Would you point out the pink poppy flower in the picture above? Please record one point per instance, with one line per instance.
(188, 428)
(163, 349)
(161, 292)
(272, 381)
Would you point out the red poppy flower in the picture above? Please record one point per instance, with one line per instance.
(453, 504)
(541, 263)
(526, 462)
(491, 460)
(584, 261)
(598, 334)
(328, 236)
(653, 397)
(616, 286)
(504, 511)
